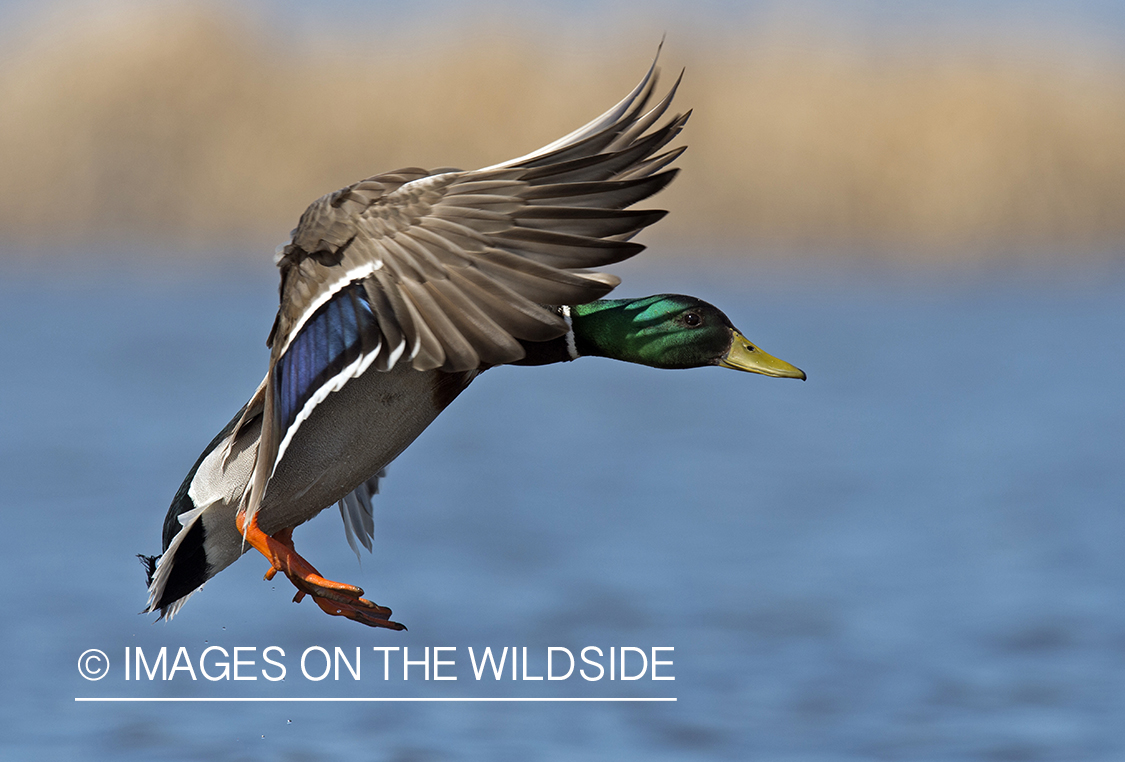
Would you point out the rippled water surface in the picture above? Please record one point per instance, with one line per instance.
(915, 555)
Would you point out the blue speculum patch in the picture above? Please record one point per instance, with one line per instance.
(328, 342)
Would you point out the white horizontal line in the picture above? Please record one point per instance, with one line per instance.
(364, 698)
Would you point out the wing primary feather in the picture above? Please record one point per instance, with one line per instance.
(565, 251)
(491, 183)
(599, 139)
(613, 194)
(485, 203)
(615, 114)
(585, 221)
(607, 165)
(653, 165)
(642, 124)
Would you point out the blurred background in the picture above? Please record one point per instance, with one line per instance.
(939, 131)
(914, 556)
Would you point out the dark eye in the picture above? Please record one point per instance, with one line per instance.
(692, 319)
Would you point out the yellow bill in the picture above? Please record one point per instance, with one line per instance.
(743, 355)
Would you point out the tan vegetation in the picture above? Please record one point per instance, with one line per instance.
(186, 126)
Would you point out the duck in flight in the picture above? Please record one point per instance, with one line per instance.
(396, 293)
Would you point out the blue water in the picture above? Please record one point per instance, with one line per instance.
(916, 555)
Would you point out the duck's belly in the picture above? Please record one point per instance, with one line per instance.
(352, 434)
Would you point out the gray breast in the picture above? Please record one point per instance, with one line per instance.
(352, 434)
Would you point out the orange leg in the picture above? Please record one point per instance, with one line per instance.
(335, 598)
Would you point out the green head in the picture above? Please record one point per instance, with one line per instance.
(670, 331)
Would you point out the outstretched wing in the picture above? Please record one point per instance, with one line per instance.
(450, 269)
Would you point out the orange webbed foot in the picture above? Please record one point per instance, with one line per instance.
(334, 598)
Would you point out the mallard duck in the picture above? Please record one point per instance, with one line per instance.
(396, 293)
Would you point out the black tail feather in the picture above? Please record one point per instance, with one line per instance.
(149, 562)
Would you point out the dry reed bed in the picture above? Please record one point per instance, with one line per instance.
(186, 127)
